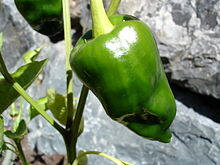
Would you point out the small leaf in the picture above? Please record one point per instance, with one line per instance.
(18, 118)
(1, 133)
(4, 147)
(83, 160)
(33, 112)
(31, 55)
(57, 105)
(19, 133)
(14, 111)
(81, 126)
(10, 134)
(25, 76)
(1, 41)
(22, 128)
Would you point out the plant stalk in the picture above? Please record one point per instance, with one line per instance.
(70, 136)
(100, 22)
(113, 7)
(69, 74)
(20, 152)
(116, 161)
(71, 140)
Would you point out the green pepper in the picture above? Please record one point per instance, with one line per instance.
(123, 69)
(44, 16)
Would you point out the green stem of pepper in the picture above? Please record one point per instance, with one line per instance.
(68, 137)
(20, 152)
(100, 22)
(72, 126)
(71, 139)
(24, 94)
(69, 74)
(116, 161)
(113, 7)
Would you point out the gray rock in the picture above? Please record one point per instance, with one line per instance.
(196, 138)
(188, 39)
(19, 37)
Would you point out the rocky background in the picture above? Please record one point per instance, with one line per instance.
(188, 35)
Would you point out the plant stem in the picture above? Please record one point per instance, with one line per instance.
(113, 7)
(68, 137)
(79, 111)
(69, 74)
(116, 161)
(20, 152)
(4, 71)
(71, 140)
(100, 22)
(24, 94)
(32, 102)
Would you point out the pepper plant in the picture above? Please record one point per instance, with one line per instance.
(118, 60)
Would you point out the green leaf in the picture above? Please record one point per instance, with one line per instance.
(83, 160)
(9, 134)
(81, 126)
(31, 55)
(22, 128)
(1, 41)
(1, 133)
(17, 119)
(33, 112)
(14, 111)
(57, 105)
(25, 76)
(4, 147)
(19, 133)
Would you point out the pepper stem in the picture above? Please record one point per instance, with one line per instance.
(113, 7)
(21, 152)
(115, 160)
(100, 22)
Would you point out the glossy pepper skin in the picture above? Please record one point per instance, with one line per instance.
(44, 16)
(123, 69)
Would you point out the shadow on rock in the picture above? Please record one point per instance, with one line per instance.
(204, 105)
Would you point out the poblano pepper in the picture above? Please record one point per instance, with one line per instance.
(44, 16)
(123, 69)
